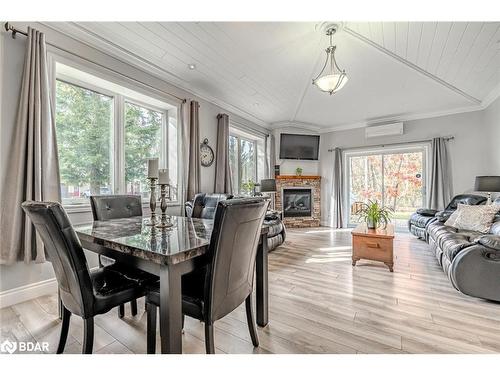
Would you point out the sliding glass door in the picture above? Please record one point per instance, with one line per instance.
(395, 178)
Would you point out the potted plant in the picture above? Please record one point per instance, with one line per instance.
(298, 171)
(375, 215)
(248, 187)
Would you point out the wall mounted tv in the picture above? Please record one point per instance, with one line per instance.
(299, 146)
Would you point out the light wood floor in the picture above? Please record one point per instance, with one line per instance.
(319, 303)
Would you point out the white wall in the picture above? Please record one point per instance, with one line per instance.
(472, 152)
(11, 65)
(287, 167)
(491, 118)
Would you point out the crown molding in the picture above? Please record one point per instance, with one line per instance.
(127, 57)
(492, 96)
(411, 65)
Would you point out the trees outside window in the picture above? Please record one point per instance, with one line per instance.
(142, 141)
(84, 121)
(101, 152)
(394, 179)
(243, 163)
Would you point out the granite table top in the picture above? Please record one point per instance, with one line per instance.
(186, 239)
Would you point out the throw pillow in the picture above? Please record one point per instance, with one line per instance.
(451, 220)
(475, 218)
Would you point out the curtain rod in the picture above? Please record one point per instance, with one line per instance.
(449, 138)
(8, 27)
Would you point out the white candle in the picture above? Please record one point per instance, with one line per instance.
(153, 168)
(163, 176)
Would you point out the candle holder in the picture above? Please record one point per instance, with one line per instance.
(152, 201)
(165, 219)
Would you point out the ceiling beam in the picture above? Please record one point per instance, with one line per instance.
(370, 42)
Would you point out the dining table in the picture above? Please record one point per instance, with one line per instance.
(168, 253)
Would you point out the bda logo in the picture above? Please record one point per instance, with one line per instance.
(8, 346)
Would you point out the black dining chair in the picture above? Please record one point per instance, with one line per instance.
(213, 291)
(108, 207)
(82, 292)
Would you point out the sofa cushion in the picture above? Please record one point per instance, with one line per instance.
(495, 228)
(475, 218)
(437, 228)
(492, 242)
(419, 220)
(426, 212)
(452, 243)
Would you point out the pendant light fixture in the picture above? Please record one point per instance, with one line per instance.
(331, 78)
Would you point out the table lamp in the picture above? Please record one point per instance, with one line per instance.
(487, 184)
(268, 186)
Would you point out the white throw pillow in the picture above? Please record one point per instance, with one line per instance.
(451, 220)
(475, 218)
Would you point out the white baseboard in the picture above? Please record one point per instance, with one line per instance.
(26, 292)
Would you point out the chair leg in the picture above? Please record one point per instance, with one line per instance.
(133, 307)
(251, 321)
(88, 335)
(121, 311)
(209, 338)
(66, 316)
(151, 328)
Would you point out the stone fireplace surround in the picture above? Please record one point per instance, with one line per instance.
(306, 182)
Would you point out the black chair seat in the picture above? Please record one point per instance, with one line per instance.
(114, 285)
(192, 293)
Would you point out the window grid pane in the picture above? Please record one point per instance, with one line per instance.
(84, 120)
(143, 139)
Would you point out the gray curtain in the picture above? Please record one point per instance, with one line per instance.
(222, 169)
(33, 169)
(441, 188)
(271, 155)
(191, 147)
(337, 189)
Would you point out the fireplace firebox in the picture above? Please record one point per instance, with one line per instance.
(297, 202)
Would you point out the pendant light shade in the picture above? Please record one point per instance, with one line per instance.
(331, 78)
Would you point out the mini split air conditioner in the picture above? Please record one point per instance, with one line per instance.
(384, 130)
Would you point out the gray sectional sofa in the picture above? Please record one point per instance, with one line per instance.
(470, 259)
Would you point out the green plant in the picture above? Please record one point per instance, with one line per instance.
(374, 214)
(298, 171)
(248, 187)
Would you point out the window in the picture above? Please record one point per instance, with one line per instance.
(143, 140)
(106, 133)
(84, 121)
(395, 178)
(245, 152)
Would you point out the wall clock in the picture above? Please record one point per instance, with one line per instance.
(207, 155)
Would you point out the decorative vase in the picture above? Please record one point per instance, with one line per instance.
(370, 223)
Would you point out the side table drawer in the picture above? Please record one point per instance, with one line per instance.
(372, 248)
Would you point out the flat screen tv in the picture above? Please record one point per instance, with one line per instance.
(299, 146)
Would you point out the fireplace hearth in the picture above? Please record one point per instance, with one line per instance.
(297, 202)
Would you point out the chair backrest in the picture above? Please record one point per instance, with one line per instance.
(233, 246)
(469, 199)
(107, 207)
(204, 205)
(65, 253)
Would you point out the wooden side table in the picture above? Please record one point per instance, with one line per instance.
(373, 244)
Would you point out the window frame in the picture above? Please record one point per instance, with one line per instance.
(117, 133)
(423, 147)
(239, 138)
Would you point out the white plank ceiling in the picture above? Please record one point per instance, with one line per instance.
(263, 71)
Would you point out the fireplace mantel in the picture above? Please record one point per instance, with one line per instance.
(295, 177)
